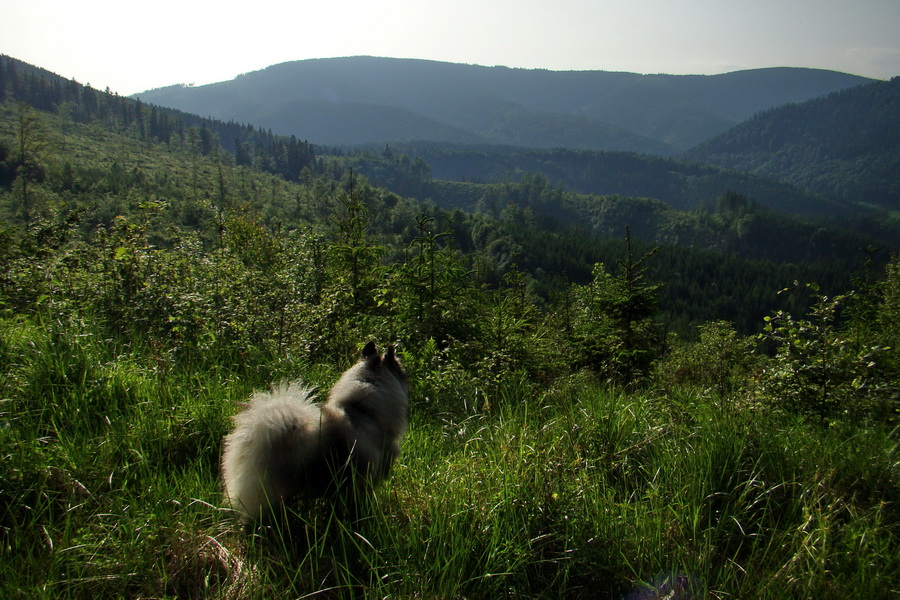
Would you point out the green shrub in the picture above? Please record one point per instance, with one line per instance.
(820, 369)
(720, 361)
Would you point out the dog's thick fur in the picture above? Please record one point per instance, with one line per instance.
(284, 445)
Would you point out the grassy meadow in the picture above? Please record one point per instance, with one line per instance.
(109, 490)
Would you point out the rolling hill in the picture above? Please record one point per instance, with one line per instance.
(846, 144)
(360, 100)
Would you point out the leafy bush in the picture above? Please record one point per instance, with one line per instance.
(819, 369)
(719, 361)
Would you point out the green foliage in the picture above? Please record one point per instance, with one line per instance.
(574, 490)
(434, 298)
(820, 369)
(673, 183)
(719, 361)
(155, 287)
(886, 326)
(354, 249)
(843, 144)
(26, 160)
(287, 157)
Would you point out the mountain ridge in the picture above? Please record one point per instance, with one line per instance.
(603, 110)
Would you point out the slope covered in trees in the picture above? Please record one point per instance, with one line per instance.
(21, 82)
(499, 226)
(845, 145)
(682, 185)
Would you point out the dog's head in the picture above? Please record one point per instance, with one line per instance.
(375, 387)
(386, 365)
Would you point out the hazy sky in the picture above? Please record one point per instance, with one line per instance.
(134, 46)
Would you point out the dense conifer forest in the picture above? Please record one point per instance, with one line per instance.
(843, 144)
(609, 397)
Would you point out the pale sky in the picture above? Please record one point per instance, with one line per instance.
(134, 46)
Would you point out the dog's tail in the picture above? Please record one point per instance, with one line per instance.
(279, 425)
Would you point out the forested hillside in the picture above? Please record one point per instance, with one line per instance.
(359, 100)
(45, 91)
(682, 185)
(845, 145)
(604, 402)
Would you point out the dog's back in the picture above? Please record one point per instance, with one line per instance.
(284, 445)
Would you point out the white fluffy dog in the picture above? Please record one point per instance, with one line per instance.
(285, 445)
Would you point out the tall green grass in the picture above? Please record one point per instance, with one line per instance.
(109, 489)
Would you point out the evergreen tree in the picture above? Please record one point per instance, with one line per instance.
(207, 141)
(27, 148)
(613, 329)
(242, 155)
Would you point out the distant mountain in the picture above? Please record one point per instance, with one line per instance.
(360, 100)
(846, 144)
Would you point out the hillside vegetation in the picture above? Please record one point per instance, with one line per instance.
(565, 441)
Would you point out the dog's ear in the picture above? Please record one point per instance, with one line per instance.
(370, 351)
(392, 361)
